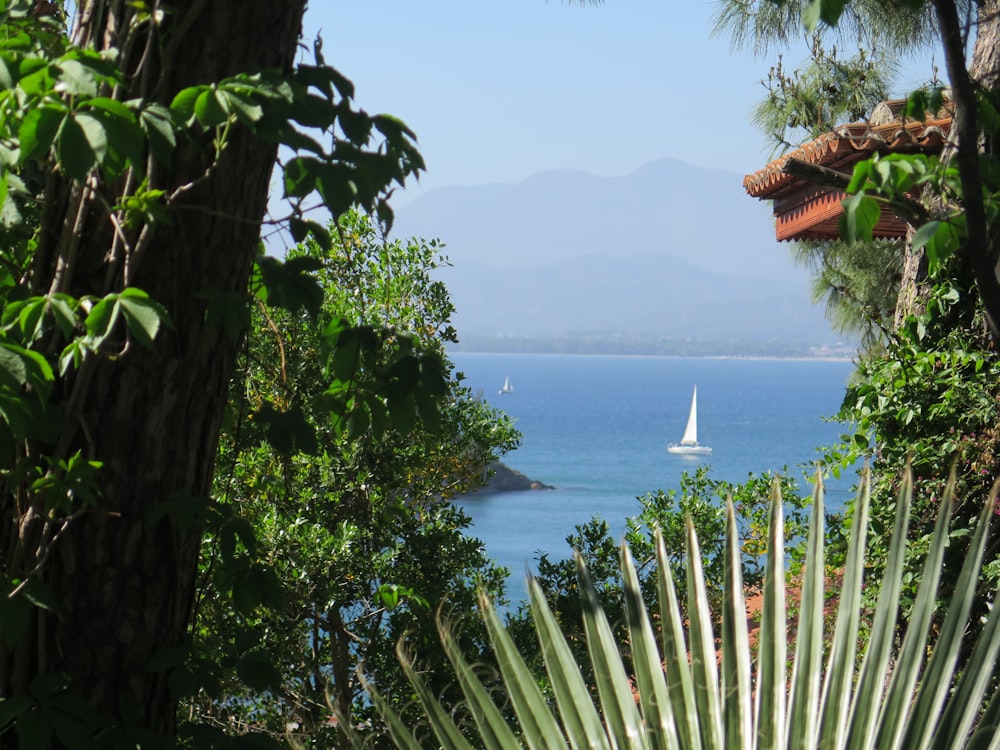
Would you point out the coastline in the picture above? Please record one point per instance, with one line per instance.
(640, 347)
(845, 357)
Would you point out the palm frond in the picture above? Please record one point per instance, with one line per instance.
(678, 692)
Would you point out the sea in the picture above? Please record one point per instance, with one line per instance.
(596, 429)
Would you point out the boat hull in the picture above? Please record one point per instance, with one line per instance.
(689, 450)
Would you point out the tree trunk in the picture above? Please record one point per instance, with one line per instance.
(912, 293)
(981, 246)
(123, 573)
(985, 70)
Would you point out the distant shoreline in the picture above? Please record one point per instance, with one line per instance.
(667, 348)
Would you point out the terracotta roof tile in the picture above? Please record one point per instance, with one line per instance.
(847, 145)
(804, 210)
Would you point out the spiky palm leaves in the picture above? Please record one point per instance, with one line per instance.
(678, 693)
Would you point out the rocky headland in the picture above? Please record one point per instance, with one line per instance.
(502, 478)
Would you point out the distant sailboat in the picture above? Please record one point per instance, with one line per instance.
(689, 443)
(507, 387)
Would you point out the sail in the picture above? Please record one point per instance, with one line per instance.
(689, 445)
(691, 430)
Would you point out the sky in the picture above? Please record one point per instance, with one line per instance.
(499, 90)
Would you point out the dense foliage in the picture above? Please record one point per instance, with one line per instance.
(350, 540)
(931, 401)
(926, 392)
(135, 161)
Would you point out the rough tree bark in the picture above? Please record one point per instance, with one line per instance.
(967, 131)
(124, 578)
(980, 249)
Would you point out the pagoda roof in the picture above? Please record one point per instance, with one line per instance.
(804, 210)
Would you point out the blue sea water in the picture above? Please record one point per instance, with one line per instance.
(597, 427)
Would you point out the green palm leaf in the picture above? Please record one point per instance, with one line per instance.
(907, 698)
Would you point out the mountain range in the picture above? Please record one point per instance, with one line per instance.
(670, 252)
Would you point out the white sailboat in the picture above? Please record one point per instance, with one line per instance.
(689, 442)
(507, 387)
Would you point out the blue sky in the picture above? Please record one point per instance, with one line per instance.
(498, 90)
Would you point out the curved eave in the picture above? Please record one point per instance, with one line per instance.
(846, 146)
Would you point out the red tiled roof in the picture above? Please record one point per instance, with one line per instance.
(806, 211)
(847, 145)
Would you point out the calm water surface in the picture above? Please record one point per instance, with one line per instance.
(596, 428)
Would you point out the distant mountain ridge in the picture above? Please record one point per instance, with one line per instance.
(669, 251)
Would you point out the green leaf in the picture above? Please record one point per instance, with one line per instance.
(289, 431)
(291, 285)
(398, 730)
(75, 155)
(125, 141)
(301, 229)
(614, 686)
(76, 79)
(36, 78)
(13, 368)
(357, 125)
(807, 671)
(101, 320)
(861, 214)
(245, 108)
(940, 240)
(448, 735)
(8, 71)
(704, 661)
(493, 727)
(10, 214)
(840, 672)
(30, 318)
(876, 664)
(158, 127)
(143, 316)
(297, 141)
(95, 133)
(182, 107)
(246, 594)
(860, 176)
(210, 108)
(26, 367)
(580, 718)
(402, 413)
(540, 728)
(300, 175)
(827, 11)
(392, 128)
(811, 15)
(675, 652)
(38, 130)
(358, 422)
(735, 646)
(338, 187)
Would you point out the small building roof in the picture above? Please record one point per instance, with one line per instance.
(804, 210)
